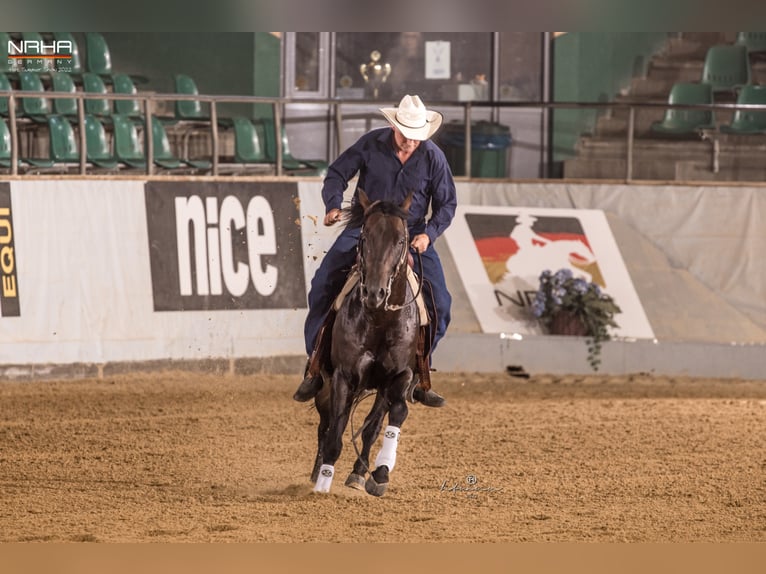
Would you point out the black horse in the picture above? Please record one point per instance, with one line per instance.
(374, 348)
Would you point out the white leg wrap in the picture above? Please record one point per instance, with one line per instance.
(324, 480)
(387, 454)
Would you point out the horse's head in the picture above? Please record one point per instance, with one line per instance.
(383, 249)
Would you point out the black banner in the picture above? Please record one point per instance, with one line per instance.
(225, 245)
(9, 280)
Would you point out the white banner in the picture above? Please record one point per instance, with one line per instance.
(87, 292)
(500, 253)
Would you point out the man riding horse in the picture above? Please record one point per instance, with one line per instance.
(392, 162)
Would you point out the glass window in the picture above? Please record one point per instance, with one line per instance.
(433, 65)
(520, 66)
(306, 62)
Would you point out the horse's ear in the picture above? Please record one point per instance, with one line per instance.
(407, 201)
(364, 201)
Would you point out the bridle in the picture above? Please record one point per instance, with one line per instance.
(397, 268)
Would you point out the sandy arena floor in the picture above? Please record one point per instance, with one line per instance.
(180, 457)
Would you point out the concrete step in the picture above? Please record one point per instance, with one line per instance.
(687, 170)
(583, 168)
(693, 45)
(659, 149)
(745, 145)
(616, 125)
(672, 70)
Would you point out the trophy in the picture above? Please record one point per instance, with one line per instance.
(374, 73)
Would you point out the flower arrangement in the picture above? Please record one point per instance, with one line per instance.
(569, 305)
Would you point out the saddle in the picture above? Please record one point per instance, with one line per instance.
(321, 354)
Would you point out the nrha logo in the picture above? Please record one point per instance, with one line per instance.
(56, 49)
(37, 55)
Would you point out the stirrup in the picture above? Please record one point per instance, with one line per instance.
(409, 393)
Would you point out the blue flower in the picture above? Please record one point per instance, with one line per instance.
(580, 286)
(563, 274)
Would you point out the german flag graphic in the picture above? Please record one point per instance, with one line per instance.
(555, 242)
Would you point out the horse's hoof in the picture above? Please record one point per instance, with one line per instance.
(355, 481)
(375, 488)
(378, 481)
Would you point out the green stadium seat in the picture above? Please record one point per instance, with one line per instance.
(6, 148)
(98, 58)
(63, 143)
(748, 121)
(163, 155)
(92, 83)
(248, 144)
(6, 152)
(74, 65)
(67, 107)
(98, 148)
(755, 42)
(726, 67)
(123, 84)
(5, 86)
(128, 148)
(35, 108)
(5, 62)
(32, 65)
(127, 145)
(291, 165)
(685, 122)
(186, 110)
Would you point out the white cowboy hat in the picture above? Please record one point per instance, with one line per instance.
(413, 119)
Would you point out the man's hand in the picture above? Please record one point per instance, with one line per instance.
(420, 242)
(332, 217)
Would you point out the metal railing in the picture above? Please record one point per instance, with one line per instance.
(149, 100)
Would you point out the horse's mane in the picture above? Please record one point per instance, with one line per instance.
(355, 214)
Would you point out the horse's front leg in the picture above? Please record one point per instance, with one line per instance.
(322, 404)
(377, 483)
(370, 431)
(332, 442)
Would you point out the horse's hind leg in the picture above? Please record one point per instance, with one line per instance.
(377, 483)
(371, 429)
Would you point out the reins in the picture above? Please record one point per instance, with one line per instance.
(415, 296)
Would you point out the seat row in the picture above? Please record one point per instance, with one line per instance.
(254, 138)
(726, 75)
(38, 108)
(116, 149)
(695, 122)
(119, 146)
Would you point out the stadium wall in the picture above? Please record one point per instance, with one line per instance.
(100, 276)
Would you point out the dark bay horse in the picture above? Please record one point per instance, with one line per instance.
(374, 345)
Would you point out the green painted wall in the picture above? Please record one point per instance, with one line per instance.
(267, 70)
(223, 63)
(593, 67)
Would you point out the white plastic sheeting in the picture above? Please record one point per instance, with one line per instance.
(715, 233)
